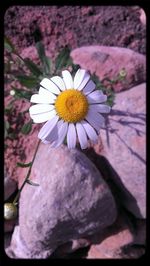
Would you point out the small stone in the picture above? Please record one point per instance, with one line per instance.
(10, 211)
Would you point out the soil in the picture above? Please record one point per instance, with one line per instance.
(58, 26)
(76, 26)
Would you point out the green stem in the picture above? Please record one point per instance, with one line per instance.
(28, 174)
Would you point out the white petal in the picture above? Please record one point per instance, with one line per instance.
(71, 136)
(96, 97)
(43, 117)
(95, 119)
(84, 81)
(90, 131)
(79, 76)
(47, 94)
(53, 135)
(81, 136)
(67, 79)
(40, 108)
(59, 82)
(47, 128)
(36, 98)
(102, 108)
(45, 141)
(90, 86)
(50, 86)
(62, 131)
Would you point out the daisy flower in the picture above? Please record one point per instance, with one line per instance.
(71, 107)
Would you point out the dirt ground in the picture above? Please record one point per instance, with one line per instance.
(76, 26)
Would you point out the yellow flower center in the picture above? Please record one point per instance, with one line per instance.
(71, 105)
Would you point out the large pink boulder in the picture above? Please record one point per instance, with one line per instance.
(124, 147)
(71, 202)
(108, 61)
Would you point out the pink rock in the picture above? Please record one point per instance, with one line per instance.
(110, 243)
(124, 146)
(70, 247)
(107, 62)
(72, 201)
(142, 16)
(117, 245)
(116, 241)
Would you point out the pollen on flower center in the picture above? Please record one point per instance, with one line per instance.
(71, 105)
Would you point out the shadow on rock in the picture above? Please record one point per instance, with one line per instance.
(120, 192)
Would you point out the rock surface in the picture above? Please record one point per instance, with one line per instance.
(72, 201)
(143, 16)
(107, 62)
(126, 151)
(110, 242)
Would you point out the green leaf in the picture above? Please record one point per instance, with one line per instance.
(46, 62)
(96, 80)
(8, 45)
(31, 183)
(23, 165)
(33, 67)
(75, 68)
(7, 125)
(12, 135)
(26, 129)
(111, 99)
(19, 93)
(27, 81)
(109, 92)
(47, 65)
(41, 50)
(63, 59)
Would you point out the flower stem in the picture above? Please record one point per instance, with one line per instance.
(28, 174)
